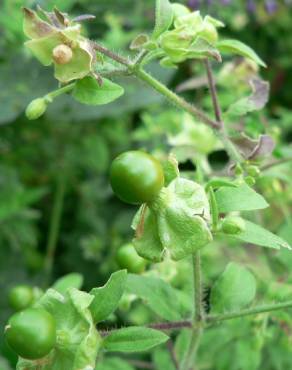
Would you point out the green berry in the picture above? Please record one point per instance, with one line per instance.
(31, 333)
(21, 297)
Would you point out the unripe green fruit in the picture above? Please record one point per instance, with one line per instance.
(31, 333)
(128, 258)
(233, 225)
(36, 108)
(136, 177)
(21, 297)
(62, 54)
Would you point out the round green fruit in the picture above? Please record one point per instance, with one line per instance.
(21, 297)
(128, 258)
(136, 177)
(31, 333)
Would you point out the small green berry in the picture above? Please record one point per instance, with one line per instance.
(36, 108)
(233, 225)
(21, 297)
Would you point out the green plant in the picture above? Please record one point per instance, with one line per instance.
(182, 214)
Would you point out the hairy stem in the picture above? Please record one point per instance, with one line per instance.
(114, 56)
(213, 91)
(222, 134)
(62, 90)
(172, 353)
(249, 311)
(198, 315)
(213, 319)
(54, 227)
(174, 98)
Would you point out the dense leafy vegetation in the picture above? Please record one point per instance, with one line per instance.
(198, 277)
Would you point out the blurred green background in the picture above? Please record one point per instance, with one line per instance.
(65, 156)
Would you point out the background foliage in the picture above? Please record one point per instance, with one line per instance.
(69, 150)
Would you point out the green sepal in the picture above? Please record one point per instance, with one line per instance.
(147, 242)
(175, 222)
(78, 341)
(33, 26)
(170, 169)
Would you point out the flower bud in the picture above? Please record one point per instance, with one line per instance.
(36, 108)
(62, 54)
(253, 171)
(250, 180)
(233, 225)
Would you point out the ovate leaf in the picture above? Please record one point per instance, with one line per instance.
(157, 294)
(256, 101)
(255, 234)
(107, 298)
(163, 17)
(134, 339)
(66, 282)
(234, 289)
(239, 48)
(241, 198)
(88, 91)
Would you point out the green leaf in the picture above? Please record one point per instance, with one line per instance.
(256, 101)
(241, 198)
(255, 234)
(239, 48)
(157, 294)
(88, 91)
(163, 17)
(162, 359)
(113, 363)
(134, 339)
(107, 298)
(234, 289)
(73, 280)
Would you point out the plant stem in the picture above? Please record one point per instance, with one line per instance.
(221, 133)
(213, 91)
(249, 311)
(54, 227)
(63, 90)
(210, 319)
(276, 163)
(172, 353)
(174, 98)
(114, 56)
(198, 314)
